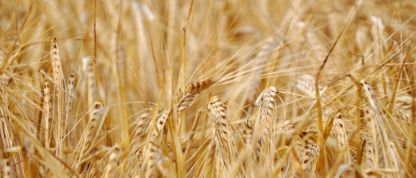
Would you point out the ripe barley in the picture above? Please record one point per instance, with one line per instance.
(266, 102)
(69, 96)
(223, 141)
(5, 79)
(141, 124)
(153, 152)
(160, 123)
(92, 83)
(305, 83)
(7, 169)
(379, 123)
(58, 77)
(69, 100)
(395, 157)
(192, 91)
(47, 115)
(341, 134)
(264, 123)
(369, 136)
(88, 137)
(113, 162)
(247, 131)
(403, 109)
(139, 133)
(260, 60)
(307, 150)
(152, 145)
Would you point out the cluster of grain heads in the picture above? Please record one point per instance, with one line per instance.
(115, 114)
(192, 91)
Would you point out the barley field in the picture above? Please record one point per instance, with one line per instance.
(207, 88)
